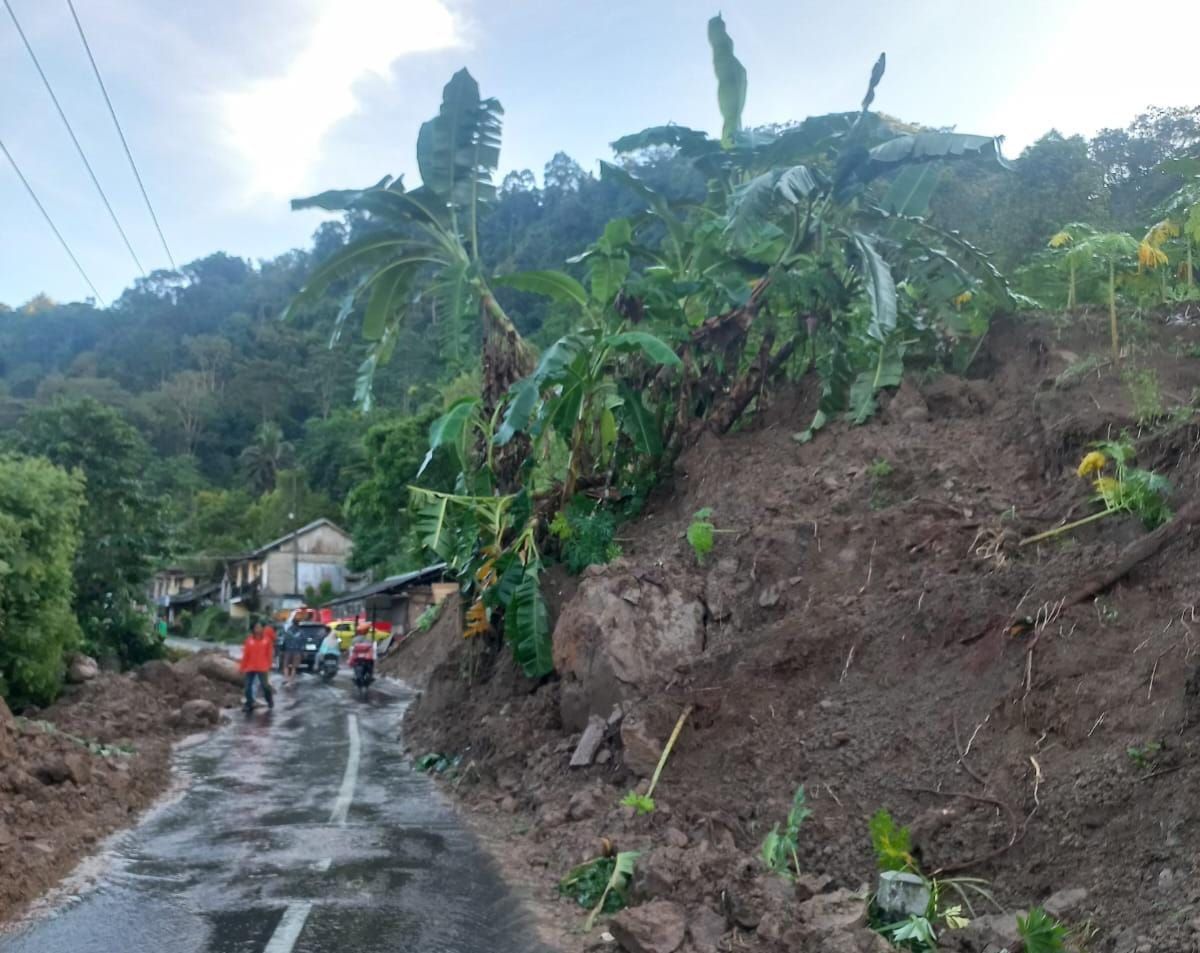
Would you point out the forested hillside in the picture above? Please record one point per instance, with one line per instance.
(229, 425)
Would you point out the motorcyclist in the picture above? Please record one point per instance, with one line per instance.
(362, 648)
(330, 646)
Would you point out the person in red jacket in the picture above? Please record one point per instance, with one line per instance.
(257, 654)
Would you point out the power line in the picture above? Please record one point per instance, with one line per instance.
(63, 116)
(128, 154)
(50, 221)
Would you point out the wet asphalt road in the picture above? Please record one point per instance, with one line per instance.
(301, 830)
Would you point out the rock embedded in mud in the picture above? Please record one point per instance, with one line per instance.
(655, 927)
(608, 649)
(199, 713)
(79, 767)
(641, 748)
(52, 771)
(1064, 903)
(706, 929)
(593, 737)
(82, 668)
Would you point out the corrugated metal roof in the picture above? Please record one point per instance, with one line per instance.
(391, 582)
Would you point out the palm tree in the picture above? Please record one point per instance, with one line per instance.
(265, 457)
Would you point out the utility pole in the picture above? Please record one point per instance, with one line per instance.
(295, 556)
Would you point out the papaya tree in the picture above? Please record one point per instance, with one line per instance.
(423, 243)
(1115, 251)
(1069, 241)
(1181, 212)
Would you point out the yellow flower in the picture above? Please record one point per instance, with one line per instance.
(1059, 239)
(1094, 462)
(964, 298)
(1109, 489)
(1150, 257)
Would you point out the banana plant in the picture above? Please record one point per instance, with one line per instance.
(1182, 212)
(577, 392)
(803, 213)
(423, 244)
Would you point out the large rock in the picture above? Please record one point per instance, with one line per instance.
(220, 668)
(199, 713)
(621, 637)
(901, 895)
(641, 749)
(656, 927)
(706, 930)
(82, 668)
(79, 767)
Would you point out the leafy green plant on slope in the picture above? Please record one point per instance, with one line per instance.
(600, 885)
(779, 848)
(1041, 933)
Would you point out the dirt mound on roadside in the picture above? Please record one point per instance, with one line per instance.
(415, 657)
(85, 767)
(859, 639)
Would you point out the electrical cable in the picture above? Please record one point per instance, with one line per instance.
(50, 221)
(120, 132)
(63, 116)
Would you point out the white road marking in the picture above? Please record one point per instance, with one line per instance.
(283, 940)
(342, 806)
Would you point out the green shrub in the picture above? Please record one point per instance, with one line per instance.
(585, 531)
(40, 505)
(214, 624)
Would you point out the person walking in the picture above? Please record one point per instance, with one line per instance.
(257, 652)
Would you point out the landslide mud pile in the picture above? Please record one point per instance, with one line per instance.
(85, 767)
(869, 627)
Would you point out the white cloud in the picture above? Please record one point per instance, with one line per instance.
(277, 124)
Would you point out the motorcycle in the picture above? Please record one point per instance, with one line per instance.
(362, 663)
(327, 668)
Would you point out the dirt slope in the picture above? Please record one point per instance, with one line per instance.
(856, 640)
(87, 766)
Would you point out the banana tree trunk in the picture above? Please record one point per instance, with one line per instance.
(1112, 309)
(506, 359)
(1071, 286)
(506, 356)
(1189, 264)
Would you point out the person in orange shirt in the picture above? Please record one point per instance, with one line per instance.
(257, 654)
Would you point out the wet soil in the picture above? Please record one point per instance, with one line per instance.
(87, 766)
(860, 640)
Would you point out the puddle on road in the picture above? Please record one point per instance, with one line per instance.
(242, 931)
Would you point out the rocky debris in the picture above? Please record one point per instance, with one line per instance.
(1065, 903)
(156, 672)
(585, 804)
(7, 733)
(82, 668)
(995, 931)
(52, 771)
(901, 895)
(655, 927)
(79, 767)
(641, 750)
(705, 929)
(220, 668)
(593, 737)
(907, 405)
(199, 713)
(834, 911)
(657, 873)
(608, 649)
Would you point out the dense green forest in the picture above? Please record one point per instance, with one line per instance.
(219, 406)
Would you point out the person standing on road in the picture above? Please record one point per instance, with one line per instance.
(257, 652)
(293, 643)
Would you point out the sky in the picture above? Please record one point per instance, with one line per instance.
(231, 108)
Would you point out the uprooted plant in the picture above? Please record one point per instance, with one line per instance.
(1120, 487)
(780, 848)
(600, 885)
(1041, 933)
(918, 931)
(644, 803)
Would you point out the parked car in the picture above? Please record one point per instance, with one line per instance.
(345, 629)
(309, 637)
